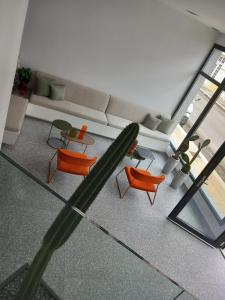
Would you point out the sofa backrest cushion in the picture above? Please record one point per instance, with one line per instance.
(80, 94)
(130, 111)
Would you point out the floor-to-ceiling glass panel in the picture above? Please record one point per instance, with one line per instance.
(215, 67)
(205, 212)
(213, 128)
(199, 96)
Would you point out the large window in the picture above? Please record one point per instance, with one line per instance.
(202, 111)
(205, 113)
(205, 116)
(200, 94)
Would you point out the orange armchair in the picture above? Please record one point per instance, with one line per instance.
(141, 180)
(71, 162)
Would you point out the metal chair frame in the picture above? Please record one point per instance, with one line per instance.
(152, 201)
(51, 175)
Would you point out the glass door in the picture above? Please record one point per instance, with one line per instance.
(201, 95)
(211, 127)
(202, 209)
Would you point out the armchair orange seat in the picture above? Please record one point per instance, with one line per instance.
(141, 180)
(71, 162)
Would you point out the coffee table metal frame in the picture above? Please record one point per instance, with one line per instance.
(61, 125)
(87, 139)
(145, 153)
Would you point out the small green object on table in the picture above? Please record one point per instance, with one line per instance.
(87, 140)
(73, 132)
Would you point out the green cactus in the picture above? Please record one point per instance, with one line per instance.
(68, 219)
(186, 160)
(184, 146)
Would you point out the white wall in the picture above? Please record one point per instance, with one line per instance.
(12, 18)
(143, 51)
(221, 40)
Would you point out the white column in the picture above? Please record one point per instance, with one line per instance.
(12, 18)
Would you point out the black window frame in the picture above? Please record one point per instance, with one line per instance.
(206, 110)
(201, 72)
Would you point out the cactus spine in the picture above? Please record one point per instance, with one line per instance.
(67, 220)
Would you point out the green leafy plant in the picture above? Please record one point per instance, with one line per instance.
(68, 219)
(184, 146)
(186, 160)
(24, 75)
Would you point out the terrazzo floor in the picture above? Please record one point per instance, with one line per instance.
(89, 266)
(195, 266)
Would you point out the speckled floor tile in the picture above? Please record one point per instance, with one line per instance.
(195, 266)
(185, 296)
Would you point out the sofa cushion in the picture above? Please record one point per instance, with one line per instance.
(81, 94)
(166, 126)
(70, 108)
(130, 111)
(117, 122)
(57, 91)
(120, 123)
(154, 134)
(126, 110)
(43, 86)
(16, 113)
(151, 122)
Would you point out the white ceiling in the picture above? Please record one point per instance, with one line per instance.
(210, 12)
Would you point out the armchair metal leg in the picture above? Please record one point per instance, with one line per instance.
(125, 192)
(119, 172)
(150, 164)
(149, 197)
(50, 175)
(118, 186)
(85, 148)
(49, 133)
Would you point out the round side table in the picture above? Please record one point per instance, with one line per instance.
(87, 139)
(58, 142)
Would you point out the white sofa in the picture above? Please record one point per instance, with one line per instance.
(104, 114)
(15, 117)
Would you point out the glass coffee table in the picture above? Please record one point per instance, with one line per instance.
(58, 142)
(87, 140)
(141, 154)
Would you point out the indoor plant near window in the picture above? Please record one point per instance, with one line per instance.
(24, 76)
(68, 219)
(173, 160)
(182, 175)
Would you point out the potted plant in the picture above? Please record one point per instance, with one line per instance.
(182, 175)
(173, 160)
(24, 76)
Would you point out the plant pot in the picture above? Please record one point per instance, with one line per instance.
(22, 88)
(170, 165)
(179, 179)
